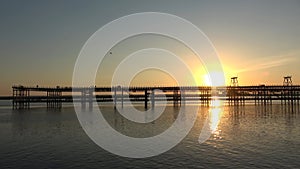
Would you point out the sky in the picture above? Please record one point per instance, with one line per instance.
(258, 41)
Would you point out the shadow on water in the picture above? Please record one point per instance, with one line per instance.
(38, 120)
(265, 112)
(140, 130)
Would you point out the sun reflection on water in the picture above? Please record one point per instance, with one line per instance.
(215, 115)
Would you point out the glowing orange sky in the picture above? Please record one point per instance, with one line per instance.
(258, 41)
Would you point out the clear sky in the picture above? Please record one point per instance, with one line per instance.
(258, 41)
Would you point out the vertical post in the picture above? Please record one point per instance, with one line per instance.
(146, 99)
(91, 90)
(206, 102)
(271, 98)
(297, 97)
(83, 99)
(122, 97)
(60, 99)
(22, 99)
(47, 99)
(51, 98)
(28, 99)
(115, 97)
(174, 97)
(281, 96)
(14, 98)
(152, 98)
(285, 97)
(183, 96)
(255, 97)
(244, 97)
(264, 96)
(54, 98)
(201, 95)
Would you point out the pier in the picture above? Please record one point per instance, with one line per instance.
(54, 97)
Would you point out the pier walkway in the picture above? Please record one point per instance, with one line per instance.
(53, 97)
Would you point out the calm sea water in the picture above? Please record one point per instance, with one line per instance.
(243, 137)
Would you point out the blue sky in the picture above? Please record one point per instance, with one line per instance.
(40, 40)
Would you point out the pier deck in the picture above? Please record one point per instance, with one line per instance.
(55, 96)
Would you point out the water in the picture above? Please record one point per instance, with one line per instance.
(243, 137)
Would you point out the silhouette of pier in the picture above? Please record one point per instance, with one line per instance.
(54, 97)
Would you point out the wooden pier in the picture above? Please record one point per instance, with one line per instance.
(22, 96)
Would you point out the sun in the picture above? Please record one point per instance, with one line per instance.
(204, 77)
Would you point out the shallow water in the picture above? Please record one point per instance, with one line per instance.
(243, 137)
